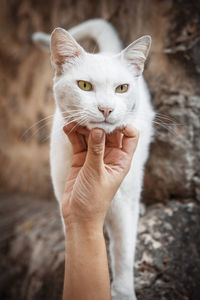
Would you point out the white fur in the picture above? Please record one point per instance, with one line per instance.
(105, 72)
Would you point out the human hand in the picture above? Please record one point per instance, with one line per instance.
(99, 164)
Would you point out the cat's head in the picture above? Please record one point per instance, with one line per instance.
(96, 90)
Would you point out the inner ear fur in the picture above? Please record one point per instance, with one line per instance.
(136, 54)
(64, 49)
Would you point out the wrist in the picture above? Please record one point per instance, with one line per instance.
(83, 227)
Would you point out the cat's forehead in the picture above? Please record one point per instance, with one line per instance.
(102, 67)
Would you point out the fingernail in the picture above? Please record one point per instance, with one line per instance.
(97, 135)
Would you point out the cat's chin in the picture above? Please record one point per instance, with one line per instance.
(107, 127)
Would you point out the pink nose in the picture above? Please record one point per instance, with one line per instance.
(106, 111)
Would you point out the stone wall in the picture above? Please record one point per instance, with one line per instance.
(172, 72)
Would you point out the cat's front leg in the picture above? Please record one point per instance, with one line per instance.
(121, 224)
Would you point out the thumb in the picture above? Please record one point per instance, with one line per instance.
(96, 147)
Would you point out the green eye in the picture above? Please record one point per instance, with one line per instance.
(85, 85)
(122, 88)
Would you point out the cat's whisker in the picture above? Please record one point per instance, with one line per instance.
(76, 120)
(86, 114)
(163, 122)
(73, 116)
(48, 137)
(64, 124)
(73, 105)
(82, 122)
(75, 112)
(35, 124)
(38, 130)
(167, 126)
(72, 120)
(71, 112)
(76, 125)
(35, 131)
(163, 116)
(167, 120)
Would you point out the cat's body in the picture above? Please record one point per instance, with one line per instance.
(105, 71)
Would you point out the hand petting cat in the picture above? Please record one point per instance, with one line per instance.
(103, 90)
(99, 164)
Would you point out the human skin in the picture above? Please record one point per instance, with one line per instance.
(99, 164)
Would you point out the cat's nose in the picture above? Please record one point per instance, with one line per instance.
(106, 111)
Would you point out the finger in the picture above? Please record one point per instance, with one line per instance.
(130, 139)
(96, 147)
(114, 139)
(83, 130)
(77, 141)
(85, 133)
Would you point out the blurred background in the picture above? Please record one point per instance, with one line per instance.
(31, 240)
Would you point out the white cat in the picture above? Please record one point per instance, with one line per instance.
(103, 90)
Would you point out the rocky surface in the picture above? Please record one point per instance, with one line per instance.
(172, 73)
(32, 251)
(168, 252)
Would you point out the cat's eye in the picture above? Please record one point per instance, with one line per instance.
(122, 88)
(85, 85)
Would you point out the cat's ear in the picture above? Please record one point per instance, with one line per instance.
(136, 53)
(64, 49)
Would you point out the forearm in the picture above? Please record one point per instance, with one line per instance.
(86, 266)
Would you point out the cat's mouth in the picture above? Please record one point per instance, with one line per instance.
(108, 127)
(100, 122)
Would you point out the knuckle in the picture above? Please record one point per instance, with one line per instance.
(97, 150)
(137, 134)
